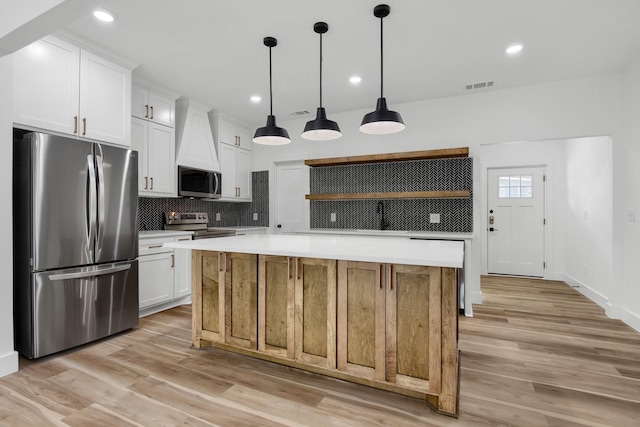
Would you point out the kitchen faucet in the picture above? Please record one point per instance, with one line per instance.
(384, 224)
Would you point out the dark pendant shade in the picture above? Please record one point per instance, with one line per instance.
(321, 129)
(382, 120)
(271, 134)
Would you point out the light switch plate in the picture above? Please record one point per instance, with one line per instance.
(631, 215)
(255, 216)
(434, 218)
(217, 216)
(333, 217)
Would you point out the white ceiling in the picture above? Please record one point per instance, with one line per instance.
(212, 51)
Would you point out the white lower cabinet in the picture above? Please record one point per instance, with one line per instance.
(164, 273)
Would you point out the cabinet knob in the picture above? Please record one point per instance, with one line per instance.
(279, 225)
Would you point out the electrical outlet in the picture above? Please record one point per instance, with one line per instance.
(217, 216)
(255, 216)
(434, 218)
(631, 215)
(333, 217)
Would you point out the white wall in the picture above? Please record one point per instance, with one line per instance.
(8, 357)
(559, 110)
(625, 301)
(589, 217)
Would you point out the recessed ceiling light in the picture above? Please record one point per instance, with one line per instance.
(255, 99)
(354, 80)
(514, 48)
(104, 15)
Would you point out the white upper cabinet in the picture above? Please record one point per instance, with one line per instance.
(234, 134)
(152, 106)
(156, 162)
(234, 150)
(62, 88)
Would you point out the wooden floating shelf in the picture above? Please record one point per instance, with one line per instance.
(390, 157)
(456, 194)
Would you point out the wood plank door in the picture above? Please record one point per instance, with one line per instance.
(413, 302)
(241, 305)
(515, 200)
(208, 296)
(276, 305)
(361, 319)
(315, 312)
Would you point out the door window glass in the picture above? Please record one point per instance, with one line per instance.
(515, 187)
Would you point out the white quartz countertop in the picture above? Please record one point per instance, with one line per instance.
(395, 250)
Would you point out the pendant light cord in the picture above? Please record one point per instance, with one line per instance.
(381, 62)
(270, 86)
(320, 70)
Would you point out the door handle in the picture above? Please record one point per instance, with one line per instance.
(84, 126)
(75, 124)
(90, 273)
(493, 229)
(151, 113)
(151, 184)
(279, 225)
(146, 114)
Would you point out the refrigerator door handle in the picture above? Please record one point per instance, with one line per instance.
(90, 273)
(92, 208)
(101, 199)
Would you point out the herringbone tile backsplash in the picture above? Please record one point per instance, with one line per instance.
(456, 215)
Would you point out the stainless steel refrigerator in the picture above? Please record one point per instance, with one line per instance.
(75, 234)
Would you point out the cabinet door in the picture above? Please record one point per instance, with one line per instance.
(276, 305)
(139, 139)
(105, 100)
(208, 296)
(228, 171)
(244, 138)
(413, 345)
(45, 85)
(139, 103)
(161, 109)
(361, 319)
(162, 161)
(315, 310)
(241, 305)
(227, 132)
(243, 174)
(156, 278)
(182, 271)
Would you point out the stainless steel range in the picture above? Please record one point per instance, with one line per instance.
(198, 222)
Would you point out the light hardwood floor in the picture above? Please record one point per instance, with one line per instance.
(537, 353)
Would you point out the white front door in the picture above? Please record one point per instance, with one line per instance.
(515, 221)
(292, 209)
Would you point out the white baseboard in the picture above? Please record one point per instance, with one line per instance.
(631, 319)
(612, 311)
(8, 363)
(164, 306)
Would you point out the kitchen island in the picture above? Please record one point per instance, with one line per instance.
(375, 311)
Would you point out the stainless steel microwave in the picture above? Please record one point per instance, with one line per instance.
(199, 183)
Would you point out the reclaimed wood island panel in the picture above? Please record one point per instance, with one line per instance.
(375, 311)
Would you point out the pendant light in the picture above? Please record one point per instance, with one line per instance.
(321, 129)
(382, 120)
(271, 134)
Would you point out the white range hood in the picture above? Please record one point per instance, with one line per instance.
(196, 147)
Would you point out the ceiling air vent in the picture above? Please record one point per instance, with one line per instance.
(299, 113)
(479, 85)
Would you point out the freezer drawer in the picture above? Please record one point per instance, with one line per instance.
(75, 306)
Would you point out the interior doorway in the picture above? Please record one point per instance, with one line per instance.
(516, 221)
(292, 209)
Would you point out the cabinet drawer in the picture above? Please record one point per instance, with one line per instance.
(154, 245)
